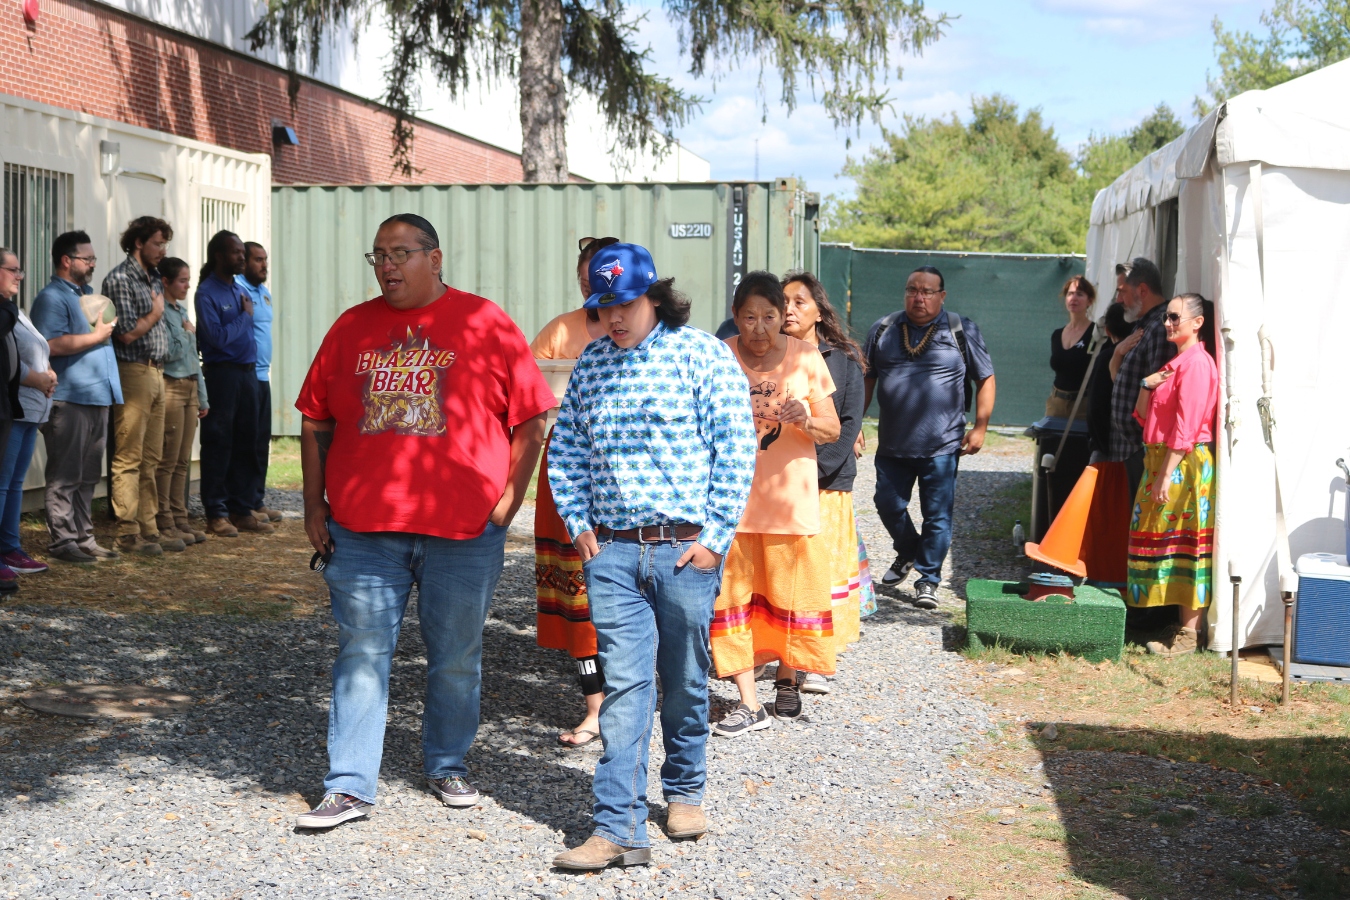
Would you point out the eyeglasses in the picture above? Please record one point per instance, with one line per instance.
(15, 270)
(925, 293)
(89, 259)
(1176, 318)
(397, 257)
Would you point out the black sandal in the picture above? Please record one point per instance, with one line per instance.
(788, 702)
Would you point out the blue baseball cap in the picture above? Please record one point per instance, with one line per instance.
(619, 273)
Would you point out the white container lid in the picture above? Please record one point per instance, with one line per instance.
(1323, 565)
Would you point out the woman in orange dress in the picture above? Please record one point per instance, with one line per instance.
(562, 613)
(811, 318)
(775, 597)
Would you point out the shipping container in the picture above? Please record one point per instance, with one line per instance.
(516, 244)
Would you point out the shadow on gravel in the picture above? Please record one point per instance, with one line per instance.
(260, 723)
(1143, 826)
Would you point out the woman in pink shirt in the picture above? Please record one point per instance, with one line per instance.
(1172, 526)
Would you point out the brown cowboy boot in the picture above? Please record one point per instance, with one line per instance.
(685, 820)
(598, 853)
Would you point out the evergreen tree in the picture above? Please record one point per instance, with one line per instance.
(843, 50)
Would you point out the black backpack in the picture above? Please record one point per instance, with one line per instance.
(959, 331)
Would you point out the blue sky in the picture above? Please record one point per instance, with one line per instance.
(1091, 66)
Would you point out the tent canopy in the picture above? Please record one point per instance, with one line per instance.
(1251, 208)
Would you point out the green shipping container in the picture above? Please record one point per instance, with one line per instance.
(516, 244)
(1013, 298)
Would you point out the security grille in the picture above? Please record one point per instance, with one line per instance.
(219, 215)
(39, 205)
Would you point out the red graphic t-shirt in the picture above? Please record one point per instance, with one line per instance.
(423, 400)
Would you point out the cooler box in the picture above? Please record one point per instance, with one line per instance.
(1091, 625)
(1322, 610)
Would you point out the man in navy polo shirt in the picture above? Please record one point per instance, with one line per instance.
(229, 363)
(76, 433)
(918, 363)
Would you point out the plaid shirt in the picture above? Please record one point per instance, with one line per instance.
(1147, 357)
(657, 434)
(132, 290)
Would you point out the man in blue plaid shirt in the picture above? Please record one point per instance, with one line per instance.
(650, 464)
(1139, 355)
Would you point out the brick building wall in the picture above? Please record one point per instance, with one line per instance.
(100, 61)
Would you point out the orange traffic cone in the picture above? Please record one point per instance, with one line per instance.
(1064, 540)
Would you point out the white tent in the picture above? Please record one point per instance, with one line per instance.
(1251, 207)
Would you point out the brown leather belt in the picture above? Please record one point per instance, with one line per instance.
(652, 534)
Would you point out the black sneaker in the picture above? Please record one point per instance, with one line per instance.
(742, 719)
(788, 703)
(454, 791)
(334, 810)
(925, 595)
(897, 572)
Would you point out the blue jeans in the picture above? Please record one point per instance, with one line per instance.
(648, 616)
(937, 494)
(369, 579)
(18, 454)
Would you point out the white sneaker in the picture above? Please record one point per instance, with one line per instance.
(815, 683)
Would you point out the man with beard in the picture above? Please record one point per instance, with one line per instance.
(76, 432)
(1140, 354)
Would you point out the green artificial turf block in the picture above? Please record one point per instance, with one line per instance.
(1092, 625)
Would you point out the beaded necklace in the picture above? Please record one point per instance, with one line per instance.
(915, 352)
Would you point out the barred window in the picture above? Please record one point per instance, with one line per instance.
(39, 205)
(219, 215)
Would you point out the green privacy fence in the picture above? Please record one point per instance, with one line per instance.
(1013, 298)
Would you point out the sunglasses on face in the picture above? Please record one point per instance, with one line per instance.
(1176, 318)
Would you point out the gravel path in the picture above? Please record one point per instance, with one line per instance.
(201, 805)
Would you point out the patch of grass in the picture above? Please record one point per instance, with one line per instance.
(1320, 881)
(283, 468)
(1009, 505)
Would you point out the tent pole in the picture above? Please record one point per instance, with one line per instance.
(1233, 676)
(1288, 632)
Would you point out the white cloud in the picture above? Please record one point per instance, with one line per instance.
(1143, 19)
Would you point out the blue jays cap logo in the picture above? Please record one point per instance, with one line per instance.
(619, 274)
(610, 270)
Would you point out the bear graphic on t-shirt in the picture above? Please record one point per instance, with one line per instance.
(766, 403)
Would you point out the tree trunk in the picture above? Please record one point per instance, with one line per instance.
(543, 95)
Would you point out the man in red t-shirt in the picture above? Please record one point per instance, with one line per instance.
(423, 417)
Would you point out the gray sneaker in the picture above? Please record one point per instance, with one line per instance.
(925, 595)
(98, 551)
(742, 720)
(815, 683)
(454, 791)
(897, 572)
(334, 810)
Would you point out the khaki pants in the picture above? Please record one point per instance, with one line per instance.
(175, 464)
(138, 438)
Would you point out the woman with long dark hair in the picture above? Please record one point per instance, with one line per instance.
(562, 613)
(811, 318)
(1172, 526)
(775, 598)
